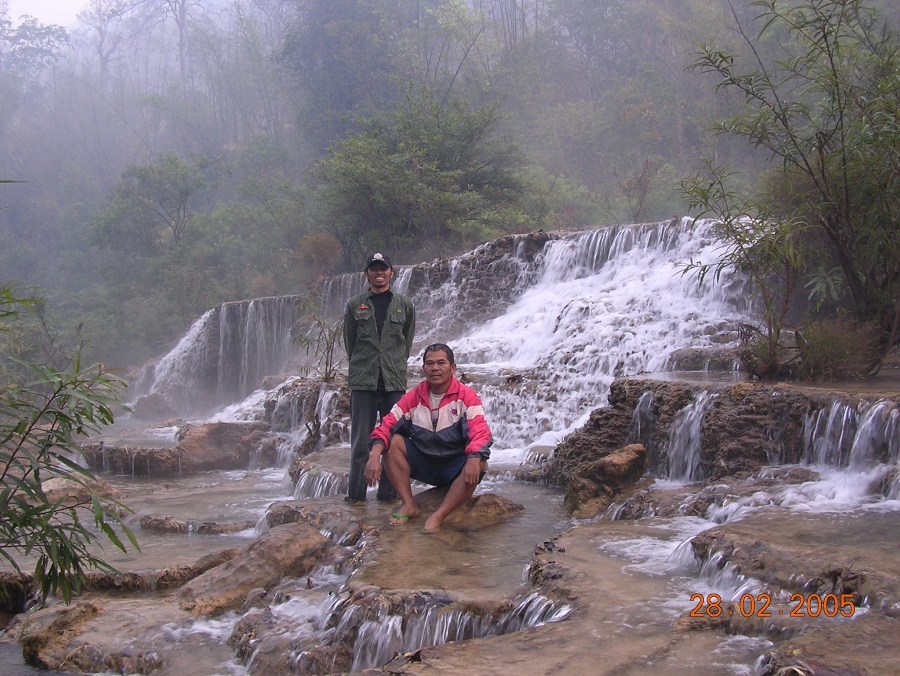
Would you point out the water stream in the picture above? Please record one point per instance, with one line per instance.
(589, 308)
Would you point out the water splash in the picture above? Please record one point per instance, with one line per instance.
(437, 622)
(223, 356)
(317, 483)
(683, 451)
(254, 341)
(858, 438)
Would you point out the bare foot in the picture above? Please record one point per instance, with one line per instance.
(433, 524)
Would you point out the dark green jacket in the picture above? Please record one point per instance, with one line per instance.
(367, 353)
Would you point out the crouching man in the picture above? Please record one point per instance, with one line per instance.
(435, 434)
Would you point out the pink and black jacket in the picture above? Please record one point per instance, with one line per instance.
(460, 422)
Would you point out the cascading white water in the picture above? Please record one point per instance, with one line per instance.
(683, 452)
(223, 356)
(607, 303)
(178, 374)
(379, 639)
(591, 307)
(254, 341)
(842, 436)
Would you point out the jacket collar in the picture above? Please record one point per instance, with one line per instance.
(422, 389)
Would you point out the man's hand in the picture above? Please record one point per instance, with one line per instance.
(472, 469)
(373, 467)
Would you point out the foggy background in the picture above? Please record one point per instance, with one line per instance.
(170, 155)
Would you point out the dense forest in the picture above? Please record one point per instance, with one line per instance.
(163, 156)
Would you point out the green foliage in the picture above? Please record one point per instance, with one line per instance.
(429, 175)
(150, 209)
(242, 242)
(41, 419)
(555, 202)
(836, 347)
(348, 59)
(827, 109)
(766, 248)
(29, 47)
(824, 287)
(594, 94)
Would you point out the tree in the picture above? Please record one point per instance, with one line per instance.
(150, 207)
(347, 59)
(111, 23)
(427, 174)
(43, 411)
(31, 46)
(765, 248)
(827, 109)
(26, 50)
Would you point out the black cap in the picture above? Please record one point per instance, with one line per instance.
(378, 258)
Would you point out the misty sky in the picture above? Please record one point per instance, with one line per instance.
(61, 12)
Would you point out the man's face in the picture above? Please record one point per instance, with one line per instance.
(379, 277)
(437, 370)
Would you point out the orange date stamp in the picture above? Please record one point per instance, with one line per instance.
(757, 605)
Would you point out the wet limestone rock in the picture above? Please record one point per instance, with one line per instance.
(599, 482)
(490, 278)
(15, 591)
(219, 445)
(477, 512)
(838, 648)
(286, 551)
(46, 637)
(73, 492)
(153, 406)
(166, 524)
(137, 582)
(791, 552)
(212, 445)
(744, 427)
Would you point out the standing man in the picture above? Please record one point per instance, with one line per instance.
(379, 326)
(436, 434)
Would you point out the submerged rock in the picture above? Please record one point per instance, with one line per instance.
(72, 492)
(813, 554)
(166, 524)
(214, 445)
(478, 511)
(286, 551)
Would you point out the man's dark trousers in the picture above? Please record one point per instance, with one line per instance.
(365, 405)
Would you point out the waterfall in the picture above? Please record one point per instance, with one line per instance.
(842, 436)
(381, 637)
(564, 314)
(223, 356)
(254, 341)
(643, 422)
(683, 452)
(607, 304)
(178, 376)
(318, 483)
